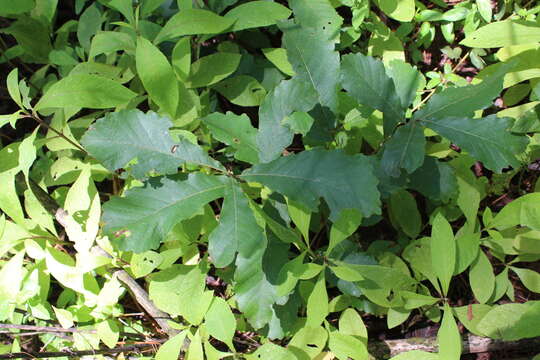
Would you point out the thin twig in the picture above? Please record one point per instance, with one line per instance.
(57, 132)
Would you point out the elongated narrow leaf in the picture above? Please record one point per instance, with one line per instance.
(193, 22)
(482, 278)
(448, 337)
(463, 101)
(443, 251)
(140, 220)
(366, 80)
(307, 176)
(255, 14)
(85, 91)
(237, 132)
(317, 303)
(314, 61)
(404, 150)
(289, 96)
(157, 76)
(232, 229)
(504, 33)
(120, 137)
(486, 139)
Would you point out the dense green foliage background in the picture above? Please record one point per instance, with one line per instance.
(283, 179)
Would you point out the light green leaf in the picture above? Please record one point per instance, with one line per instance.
(120, 137)
(109, 332)
(181, 58)
(366, 80)
(443, 251)
(10, 7)
(124, 7)
(289, 275)
(157, 76)
(193, 22)
(255, 14)
(487, 139)
(527, 325)
(501, 319)
(65, 318)
(287, 97)
(106, 42)
(180, 290)
(503, 33)
(467, 247)
(524, 211)
(485, 9)
(314, 61)
(350, 323)
(235, 131)
(396, 316)
(220, 321)
(448, 337)
(309, 175)
(233, 226)
(404, 150)
(85, 91)
(271, 351)
(529, 278)
(12, 82)
(171, 348)
(401, 10)
(463, 101)
(299, 122)
(212, 68)
(11, 276)
(482, 278)
(416, 355)
(141, 220)
(242, 90)
(195, 350)
(301, 217)
(345, 226)
(385, 277)
(405, 213)
(317, 303)
(310, 341)
(319, 16)
(278, 57)
(347, 346)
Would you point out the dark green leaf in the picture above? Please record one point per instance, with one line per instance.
(404, 150)
(287, 97)
(33, 36)
(141, 220)
(486, 139)
(463, 101)
(435, 180)
(318, 15)
(406, 79)
(309, 175)
(120, 137)
(405, 213)
(366, 80)
(10, 7)
(241, 90)
(89, 24)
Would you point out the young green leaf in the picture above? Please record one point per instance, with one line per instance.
(278, 57)
(486, 139)
(12, 82)
(523, 211)
(366, 80)
(482, 278)
(212, 68)
(193, 22)
(350, 323)
(85, 91)
(346, 346)
(448, 337)
(345, 226)
(317, 303)
(140, 220)
(123, 136)
(256, 14)
(443, 251)
(157, 76)
(401, 10)
(235, 131)
(503, 33)
(171, 348)
(307, 176)
(529, 278)
(220, 321)
(106, 42)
